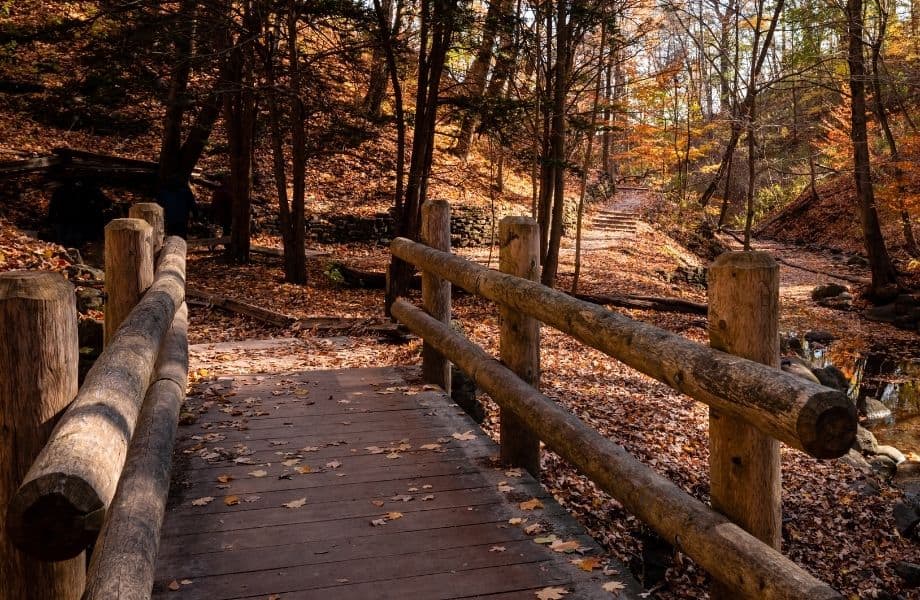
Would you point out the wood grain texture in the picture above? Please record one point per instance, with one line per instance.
(453, 540)
(435, 290)
(59, 508)
(804, 415)
(744, 463)
(128, 269)
(152, 213)
(519, 342)
(38, 379)
(726, 551)
(124, 556)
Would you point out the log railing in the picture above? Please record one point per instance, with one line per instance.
(757, 402)
(101, 476)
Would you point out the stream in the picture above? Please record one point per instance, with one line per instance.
(875, 374)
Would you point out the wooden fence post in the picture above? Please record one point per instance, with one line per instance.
(744, 463)
(128, 269)
(38, 379)
(153, 214)
(519, 255)
(435, 290)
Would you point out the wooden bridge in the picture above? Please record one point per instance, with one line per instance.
(371, 483)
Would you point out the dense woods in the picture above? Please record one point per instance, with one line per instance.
(733, 108)
(291, 141)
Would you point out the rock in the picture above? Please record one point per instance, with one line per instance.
(907, 517)
(891, 452)
(909, 572)
(842, 302)
(796, 366)
(876, 412)
(865, 441)
(84, 271)
(883, 314)
(89, 299)
(828, 290)
(832, 377)
(73, 256)
(820, 337)
(857, 261)
(856, 460)
(883, 465)
(909, 470)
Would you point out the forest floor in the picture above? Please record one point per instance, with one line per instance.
(837, 519)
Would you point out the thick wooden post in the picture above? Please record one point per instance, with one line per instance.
(435, 290)
(38, 379)
(128, 269)
(744, 463)
(519, 255)
(153, 214)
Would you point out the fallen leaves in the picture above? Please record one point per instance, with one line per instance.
(333, 464)
(258, 473)
(566, 547)
(203, 501)
(295, 503)
(532, 504)
(224, 478)
(587, 564)
(551, 593)
(465, 436)
(231, 500)
(614, 587)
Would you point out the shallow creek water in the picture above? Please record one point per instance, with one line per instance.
(892, 379)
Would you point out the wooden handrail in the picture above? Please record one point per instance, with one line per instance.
(802, 414)
(124, 557)
(60, 506)
(726, 551)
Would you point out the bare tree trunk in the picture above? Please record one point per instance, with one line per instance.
(436, 30)
(170, 148)
(377, 88)
(557, 144)
(884, 277)
(475, 82)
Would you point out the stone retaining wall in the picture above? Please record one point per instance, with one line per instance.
(470, 226)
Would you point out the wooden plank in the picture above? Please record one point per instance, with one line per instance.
(437, 548)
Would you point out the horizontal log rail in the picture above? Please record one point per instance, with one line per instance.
(125, 554)
(61, 504)
(726, 551)
(804, 415)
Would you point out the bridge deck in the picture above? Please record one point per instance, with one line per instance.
(353, 484)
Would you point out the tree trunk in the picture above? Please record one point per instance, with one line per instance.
(475, 81)
(170, 148)
(884, 277)
(239, 116)
(377, 87)
(557, 145)
(436, 30)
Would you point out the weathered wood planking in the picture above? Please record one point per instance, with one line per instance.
(453, 540)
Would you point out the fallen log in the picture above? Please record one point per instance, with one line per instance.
(124, 557)
(239, 307)
(58, 510)
(725, 550)
(661, 304)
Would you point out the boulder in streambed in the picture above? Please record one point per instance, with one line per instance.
(877, 413)
(828, 290)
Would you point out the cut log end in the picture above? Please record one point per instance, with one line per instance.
(54, 517)
(827, 425)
